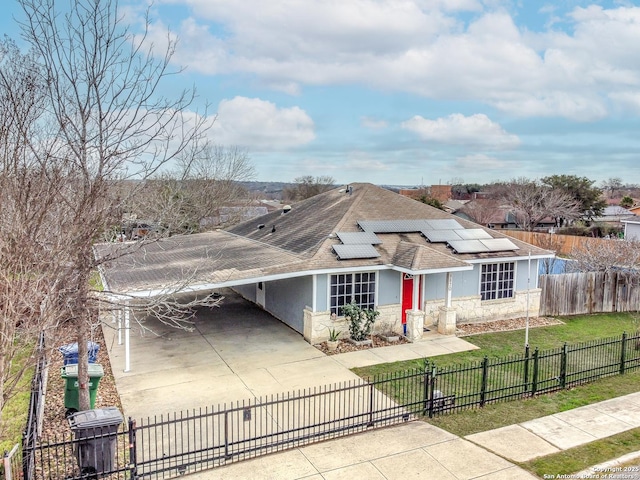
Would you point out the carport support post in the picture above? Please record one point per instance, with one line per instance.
(118, 314)
(127, 353)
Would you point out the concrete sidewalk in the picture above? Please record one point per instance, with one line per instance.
(413, 450)
(432, 344)
(564, 430)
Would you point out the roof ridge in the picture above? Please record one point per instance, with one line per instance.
(353, 205)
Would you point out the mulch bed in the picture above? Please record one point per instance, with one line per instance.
(466, 329)
(344, 346)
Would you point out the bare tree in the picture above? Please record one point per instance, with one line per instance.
(107, 123)
(182, 200)
(28, 242)
(481, 210)
(532, 202)
(607, 256)
(612, 185)
(308, 186)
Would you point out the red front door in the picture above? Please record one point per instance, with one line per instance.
(407, 295)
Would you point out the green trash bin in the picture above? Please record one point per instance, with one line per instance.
(71, 392)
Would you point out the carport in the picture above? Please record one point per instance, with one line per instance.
(184, 265)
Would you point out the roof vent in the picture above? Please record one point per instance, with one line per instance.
(261, 226)
(273, 229)
(286, 209)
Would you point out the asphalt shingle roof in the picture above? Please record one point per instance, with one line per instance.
(294, 243)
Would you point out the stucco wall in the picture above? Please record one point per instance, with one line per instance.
(388, 287)
(322, 293)
(286, 300)
(467, 283)
(247, 291)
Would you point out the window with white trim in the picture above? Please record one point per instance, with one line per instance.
(346, 287)
(496, 280)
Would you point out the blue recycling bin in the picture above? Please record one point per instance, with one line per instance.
(70, 352)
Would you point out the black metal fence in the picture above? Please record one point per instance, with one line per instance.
(167, 446)
(36, 406)
(493, 380)
(100, 452)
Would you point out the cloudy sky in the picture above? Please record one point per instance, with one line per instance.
(407, 92)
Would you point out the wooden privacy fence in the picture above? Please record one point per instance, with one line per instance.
(561, 244)
(592, 292)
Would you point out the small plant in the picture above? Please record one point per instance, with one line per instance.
(334, 334)
(360, 320)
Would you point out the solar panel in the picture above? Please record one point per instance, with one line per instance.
(441, 236)
(358, 238)
(468, 246)
(393, 226)
(499, 244)
(484, 245)
(444, 224)
(346, 252)
(473, 234)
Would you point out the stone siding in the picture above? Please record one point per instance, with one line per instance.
(317, 324)
(473, 310)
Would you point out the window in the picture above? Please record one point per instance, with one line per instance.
(346, 287)
(496, 280)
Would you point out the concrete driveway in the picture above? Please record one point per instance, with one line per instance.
(236, 352)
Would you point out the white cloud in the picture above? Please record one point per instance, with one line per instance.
(627, 100)
(475, 130)
(421, 47)
(261, 125)
(360, 161)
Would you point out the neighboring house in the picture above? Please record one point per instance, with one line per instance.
(452, 206)
(419, 266)
(613, 215)
(499, 217)
(632, 229)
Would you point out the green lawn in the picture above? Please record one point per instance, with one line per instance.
(576, 329)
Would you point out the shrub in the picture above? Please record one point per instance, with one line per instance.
(360, 320)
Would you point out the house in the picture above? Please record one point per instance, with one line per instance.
(419, 266)
(632, 229)
(489, 213)
(613, 214)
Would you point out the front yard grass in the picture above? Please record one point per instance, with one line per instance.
(576, 329)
